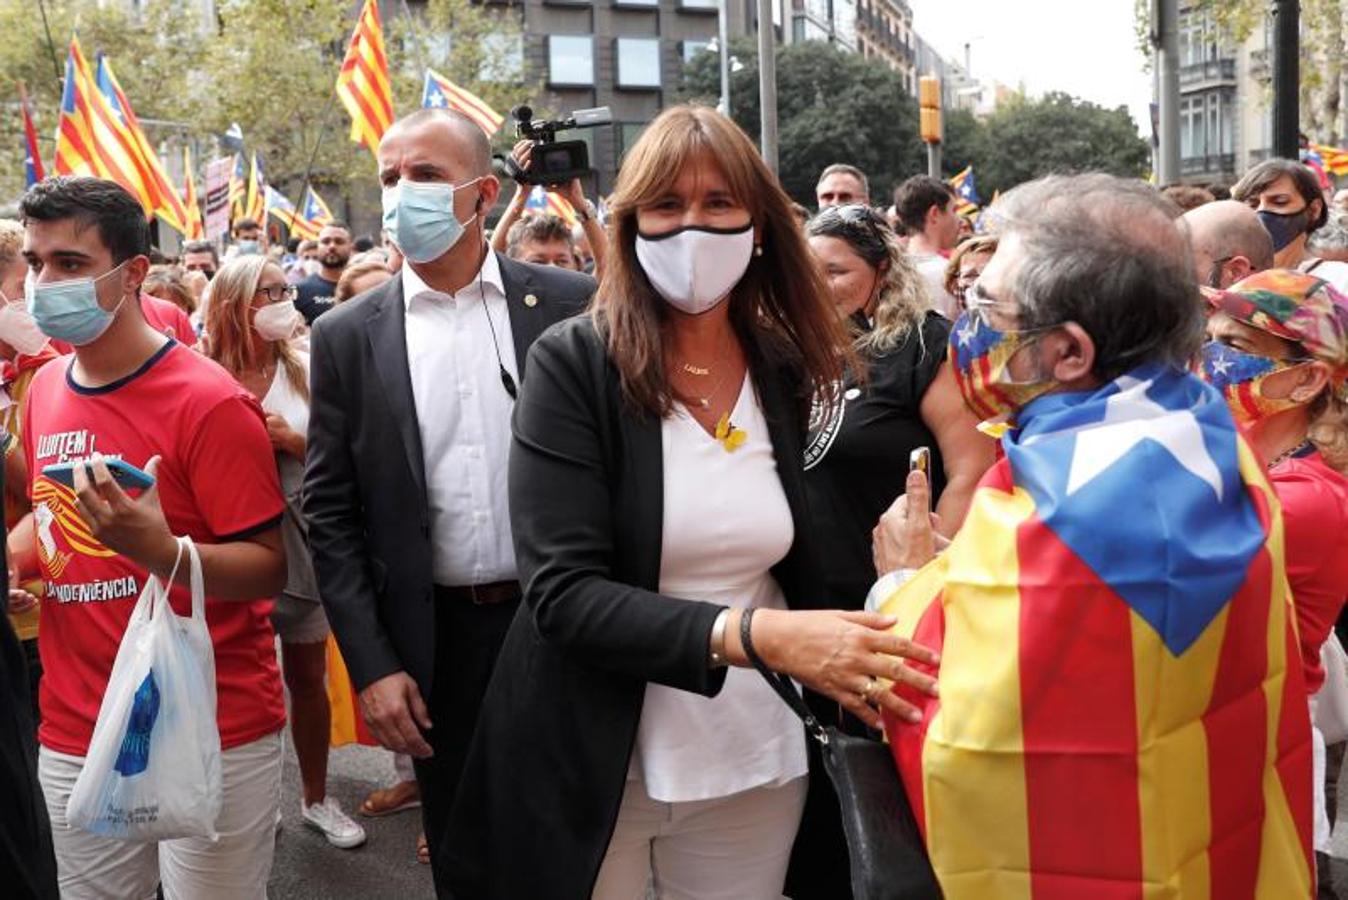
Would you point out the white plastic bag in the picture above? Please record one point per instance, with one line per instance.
(153, 767)
(1329, 705)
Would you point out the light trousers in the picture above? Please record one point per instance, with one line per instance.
(235, 867)
(727, 848)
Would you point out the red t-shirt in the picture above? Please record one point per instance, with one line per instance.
(217, 482)
(1314, 501)
(161, 315)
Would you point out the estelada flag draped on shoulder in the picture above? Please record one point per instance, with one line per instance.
(1121, 710)
(362, 84)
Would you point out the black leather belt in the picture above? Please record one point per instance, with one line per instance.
(480, 594)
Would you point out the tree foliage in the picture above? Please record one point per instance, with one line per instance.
(269, 65)
(838, 107)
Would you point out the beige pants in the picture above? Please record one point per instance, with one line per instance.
(729, 848)
(235, 867)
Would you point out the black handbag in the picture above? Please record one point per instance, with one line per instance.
(887, 857)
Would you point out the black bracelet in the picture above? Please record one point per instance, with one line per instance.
(746, 639)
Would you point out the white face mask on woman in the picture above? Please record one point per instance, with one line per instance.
(695, 268)
(18, 328)
(277, 321)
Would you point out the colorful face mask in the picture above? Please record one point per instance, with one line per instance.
(1240, 378)
(980, 356)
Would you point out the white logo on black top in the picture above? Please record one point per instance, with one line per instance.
(825, 423)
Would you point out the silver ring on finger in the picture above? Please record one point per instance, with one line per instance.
(868, 692)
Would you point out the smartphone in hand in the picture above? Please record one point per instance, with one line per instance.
(920, 461)
(127, 476)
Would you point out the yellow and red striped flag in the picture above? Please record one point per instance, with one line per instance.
(347, 724)
(439, 92)
(1122, 711)
(238, 188)
(542, 200)
(196, 228)
(169, 205)
(363, 84)
(255, 206)
(280, 206)
(89, 137)
(1334, 160)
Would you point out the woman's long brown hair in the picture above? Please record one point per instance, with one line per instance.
(780, 310)
(229, 324)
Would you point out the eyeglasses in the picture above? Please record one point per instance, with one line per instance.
(279, 292)
(980, 305)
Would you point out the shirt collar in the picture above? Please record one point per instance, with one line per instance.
(490, 274)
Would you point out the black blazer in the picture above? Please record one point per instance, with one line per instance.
(364, 477)
(539, 796)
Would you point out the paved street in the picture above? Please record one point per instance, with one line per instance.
(308, 867)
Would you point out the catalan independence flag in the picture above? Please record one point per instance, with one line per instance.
(279, 205)
(347, 724)
(32, 155)
(168, 205)
(1122, 711)
(88, 137)
(196, 228)
(544, 201)
(439, 92)
(315, 209)
(363, 84)
(1334, 160)
(966, 192)
(255, 205)
(238, 188)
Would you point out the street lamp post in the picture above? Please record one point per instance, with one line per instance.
(767, 84)
(1286, 79)
(723, 30)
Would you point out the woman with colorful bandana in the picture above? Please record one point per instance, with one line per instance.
(1279, 354)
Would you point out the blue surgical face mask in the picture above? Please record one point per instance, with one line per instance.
(68, 310)
(419, 217)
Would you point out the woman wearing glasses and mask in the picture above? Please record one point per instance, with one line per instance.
(658, 506)
(1287, 198)
(250, 326)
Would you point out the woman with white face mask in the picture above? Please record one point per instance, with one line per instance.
(251, 326)
(662, 534)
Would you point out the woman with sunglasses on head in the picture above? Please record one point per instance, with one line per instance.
(663, 536)
(1278, 352)
(250, 326)
(857, 457)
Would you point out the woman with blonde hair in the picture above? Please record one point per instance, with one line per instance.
(899, 398)
(663, 538)
(967, 263)
(1279, 354)
(250, 322)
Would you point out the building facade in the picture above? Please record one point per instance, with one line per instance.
(885, 34)
(1224, 121)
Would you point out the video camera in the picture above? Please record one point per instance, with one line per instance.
(555, 162)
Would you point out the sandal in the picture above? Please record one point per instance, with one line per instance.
(423, 850)
(387, 801)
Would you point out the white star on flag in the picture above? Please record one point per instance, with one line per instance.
(437, 99)
(1222, 364)
(966, 334)
(1130, 418)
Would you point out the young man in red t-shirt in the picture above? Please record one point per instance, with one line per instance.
(131, 392)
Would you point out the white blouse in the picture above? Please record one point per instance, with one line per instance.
(284, 400)
(726, 523)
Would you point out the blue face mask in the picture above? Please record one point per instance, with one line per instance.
(69, 311)
(419, 217)
(1283, 228)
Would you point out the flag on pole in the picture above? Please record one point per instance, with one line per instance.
(1333, 160)
(1145, 664)
(545, 201)
(196, 228)
(966, 193)
(238, 187)
(279, 205)
(168, 205)
(88, 137)
(255, 207)
(363, 84)
(315, 209)
(439, 91)
(32, 159)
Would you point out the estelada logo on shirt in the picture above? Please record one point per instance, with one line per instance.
(61, 533)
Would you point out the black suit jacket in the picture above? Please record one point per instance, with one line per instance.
(365, 480)
(546, 771)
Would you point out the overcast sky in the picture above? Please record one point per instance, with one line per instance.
(1084, 47)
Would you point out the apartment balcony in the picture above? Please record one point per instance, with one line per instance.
(1209, 73)
(1259, 69)
(1213, 165)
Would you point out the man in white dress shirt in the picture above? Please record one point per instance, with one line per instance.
(405, 486)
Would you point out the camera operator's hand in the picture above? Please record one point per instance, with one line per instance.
(522, 153)
(572, 192)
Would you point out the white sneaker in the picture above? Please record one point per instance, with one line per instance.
(336, 825)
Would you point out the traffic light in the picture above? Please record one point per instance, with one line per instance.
(929, 108)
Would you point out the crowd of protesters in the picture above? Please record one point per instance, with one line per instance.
(557, 488)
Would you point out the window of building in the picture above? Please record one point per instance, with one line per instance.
(628, 133)
(700, 4)
(693, 48)
(638, 62)
(570, 59)
(845, 23)
(645, 4)
(502, 58)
